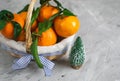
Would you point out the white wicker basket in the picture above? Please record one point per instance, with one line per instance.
(19, 48)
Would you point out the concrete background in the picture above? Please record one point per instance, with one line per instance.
(100, 32)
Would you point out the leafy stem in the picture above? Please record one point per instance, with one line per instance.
(65, 11)
(59, 5)
(43, 26)
(34, 52)
(35, 15)
(36, 34)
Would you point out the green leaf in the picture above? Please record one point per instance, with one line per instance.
(17, 29)
(6, 15)
(42, 2)
(54, 16)
(67, 12)
(43, 26)
(59, 5)
(35, 15)
(24, 9)
(34, 52)
(2, 24)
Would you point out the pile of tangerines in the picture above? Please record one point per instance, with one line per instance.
(62, 25)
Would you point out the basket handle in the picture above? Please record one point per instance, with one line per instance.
(28, 26)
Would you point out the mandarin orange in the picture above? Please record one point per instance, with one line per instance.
(66, 25)
(24, 16)
(21, 37)
(47, 38)
(46, 12)
(8, 30)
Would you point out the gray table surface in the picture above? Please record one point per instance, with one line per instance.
(100, 32)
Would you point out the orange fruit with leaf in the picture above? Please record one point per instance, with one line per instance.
(8, 30)
(18, 19)
(66, 25)
(24, 16)
(47, 38)
(22, 36)
(46, 12)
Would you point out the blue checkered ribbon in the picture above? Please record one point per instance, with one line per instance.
(26, 59)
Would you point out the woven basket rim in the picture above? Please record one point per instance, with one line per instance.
(20, 46)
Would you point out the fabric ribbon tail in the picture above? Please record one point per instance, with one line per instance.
(22, 62)
(48, 72)
(48, 65)
(25, 60)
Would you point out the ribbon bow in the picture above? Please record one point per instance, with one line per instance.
(25, 60)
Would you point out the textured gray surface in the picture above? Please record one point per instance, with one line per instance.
(100, 31)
